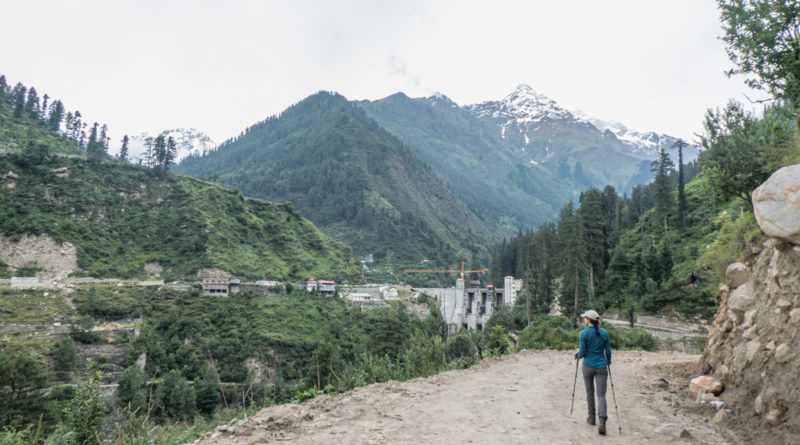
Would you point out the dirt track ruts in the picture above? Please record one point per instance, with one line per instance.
(522, 398)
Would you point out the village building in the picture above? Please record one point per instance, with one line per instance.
(323, 288)
(471, 307)
(221, 286)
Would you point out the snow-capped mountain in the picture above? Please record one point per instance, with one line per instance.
(524, 116)
(189, 142)
(648, 143)
(522, 107)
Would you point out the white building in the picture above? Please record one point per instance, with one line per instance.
(471, 307)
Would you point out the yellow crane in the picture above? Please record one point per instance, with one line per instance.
(462, 271)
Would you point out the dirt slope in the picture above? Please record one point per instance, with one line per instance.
(524, 398)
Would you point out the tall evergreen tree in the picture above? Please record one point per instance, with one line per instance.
(32, 107)
(682, 204)
(593, 228)
(55, 116)
(572, 259)
(171, 152)
(3, 86)
(123, 151)
(663, 192)
(103, 138)
(43, 115)
(94, 148)
(18, 98)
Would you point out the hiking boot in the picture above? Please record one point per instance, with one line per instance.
(590, 420)
(602, 428)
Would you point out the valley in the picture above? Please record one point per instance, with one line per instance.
(395, 269)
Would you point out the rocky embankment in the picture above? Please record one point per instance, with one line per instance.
(754, 340)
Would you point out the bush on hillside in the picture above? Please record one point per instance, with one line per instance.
(549, 332)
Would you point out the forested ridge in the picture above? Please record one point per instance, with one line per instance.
(121, 216)
(664, 248)
(353, 179)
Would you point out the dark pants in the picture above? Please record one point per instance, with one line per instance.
(592, 376)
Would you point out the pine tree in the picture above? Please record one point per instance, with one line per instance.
(123, 151)
(103, 138)
(160, 152)
(149, 154)
(682, 204)
(69, 122)
(663, 191)
(77, 126)
(32, 108)
(171, 153)
(18, 96)
(573, 255)
(3, 87)
(593, 227)
(43, 115)
(94, 148)
(55, 116)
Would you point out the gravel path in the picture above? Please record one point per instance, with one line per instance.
(523, 398)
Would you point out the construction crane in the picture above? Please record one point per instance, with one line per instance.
(462, 271)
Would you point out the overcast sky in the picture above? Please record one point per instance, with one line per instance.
(221, 66)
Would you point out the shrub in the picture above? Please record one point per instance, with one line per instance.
(639, 339)
(461, 346)
(498, 342)
(549, 332)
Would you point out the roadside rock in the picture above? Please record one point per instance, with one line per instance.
(758, 404)
(776, 204)
(706, 383)
(782, 352)
(741, 299)
(736, 274)
(673, 430)
(773, 417)
(720, 417)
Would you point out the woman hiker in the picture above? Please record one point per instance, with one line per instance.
(595, 350)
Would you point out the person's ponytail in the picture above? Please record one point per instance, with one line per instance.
(596, 324)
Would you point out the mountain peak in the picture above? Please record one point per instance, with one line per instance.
(523, 105)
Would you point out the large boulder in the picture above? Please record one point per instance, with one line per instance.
(777, 204)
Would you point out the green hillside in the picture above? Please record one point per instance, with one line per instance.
(353, 179)
(472, 161)
(121, 216)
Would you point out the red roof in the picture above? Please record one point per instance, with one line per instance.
(490, 286)
(459, 279)
(510, 277)
(326, 282)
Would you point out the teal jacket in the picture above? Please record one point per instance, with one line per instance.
(592, 347)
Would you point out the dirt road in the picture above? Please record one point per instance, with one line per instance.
(524, 398)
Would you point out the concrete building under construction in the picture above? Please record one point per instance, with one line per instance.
(471, 307)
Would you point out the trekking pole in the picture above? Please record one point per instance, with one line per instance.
(573, 386)
(615, 398)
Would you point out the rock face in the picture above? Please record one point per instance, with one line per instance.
(52, 259)
(753, 341)
(777, 204)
